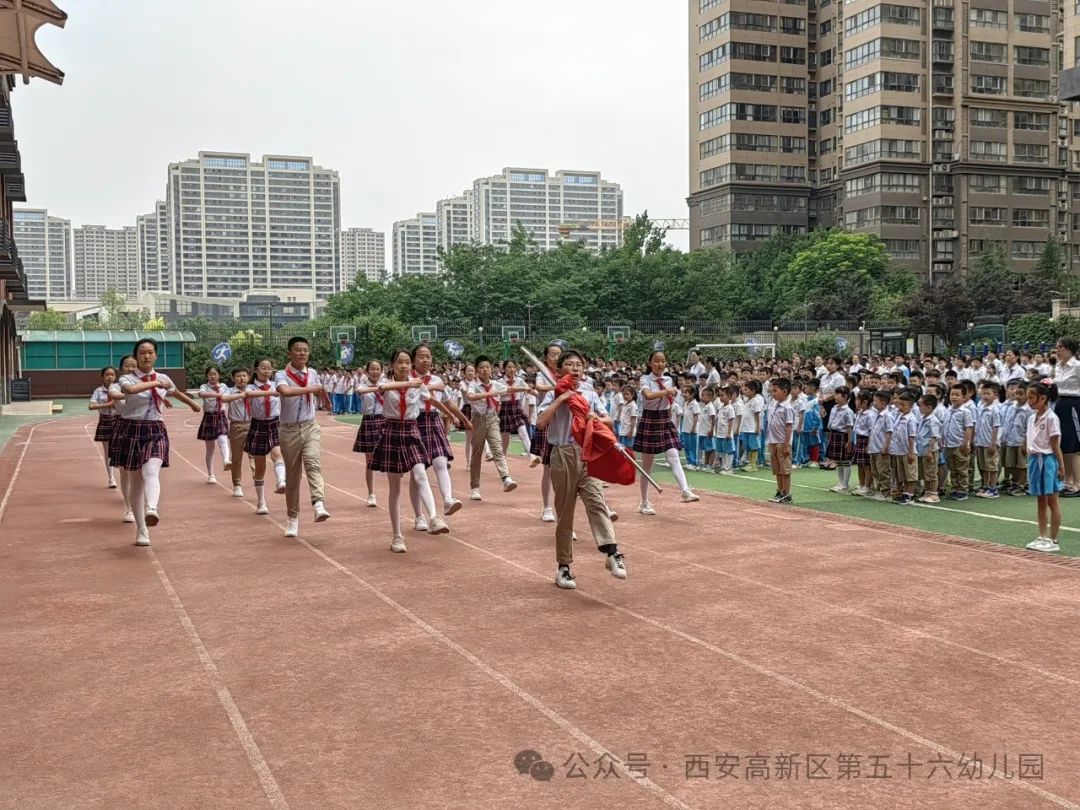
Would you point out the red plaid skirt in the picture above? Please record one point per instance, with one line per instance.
(262, 437)
(834, 450)
(511, 417)
(369, 433)
(656, 433)
(136, 441)
(105, 426)
(540, 446)
(213, 424)
(434, 435)
(400, 448)
(862, 451)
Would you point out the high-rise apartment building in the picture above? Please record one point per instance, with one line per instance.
(105, 258)
(934, 125)
(541, 202)
(415, 249)
(153, 233)
(45, 248)
(363, 255)
(236, 226)
(454, 216)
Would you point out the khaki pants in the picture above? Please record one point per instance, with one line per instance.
(238, 432)
(958, 460)
(571, 480)
(928, 470)
(486, 430)
(301, 443)
(882, 473)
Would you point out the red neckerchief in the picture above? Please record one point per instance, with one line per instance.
(660, 382)
(425, 380)
(266, 400)
(493, 402)
(402, 404)
(301, 382)
(155, 393)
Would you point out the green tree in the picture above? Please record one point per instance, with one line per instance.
(48, 320)
(990, 282)
(835, 279)
(943, 309)
(1038, 328)
(1047, 280)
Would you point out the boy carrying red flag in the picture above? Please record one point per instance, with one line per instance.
(582, 454)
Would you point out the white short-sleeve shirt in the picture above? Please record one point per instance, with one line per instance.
(259, 408)
(142, 406)
(296, 409)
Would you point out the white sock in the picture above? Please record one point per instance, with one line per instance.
(423, 490)
(442, 475)
(646, 463)
(138, 495)
(523, 434)
(394, 502)
(260, 491)
(279, 471)
(414, 496)
(151, 483)
(845, 475)
(210, 449)
(223, 446)
(672, 457)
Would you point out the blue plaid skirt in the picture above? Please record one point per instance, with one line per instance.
(262, 437)
(369, 433)
(105, 426)
(400, 448)
(656, 433)
(213, 424)
(434, 435)
(135, 441)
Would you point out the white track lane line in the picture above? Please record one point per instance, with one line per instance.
(18, 466)
(559, 721)
(255, 757)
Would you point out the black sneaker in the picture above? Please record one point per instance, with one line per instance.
(564, 579)
(785, 498)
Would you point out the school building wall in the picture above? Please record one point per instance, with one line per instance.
(79, 383)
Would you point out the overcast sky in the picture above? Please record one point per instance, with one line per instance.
(408, 101)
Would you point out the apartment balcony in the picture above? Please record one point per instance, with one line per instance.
(943, 86)
(943, 20)
(942, 52)
(11, 266)
(10, 161)
(15, 187)
(1069, 84)
(7, 129)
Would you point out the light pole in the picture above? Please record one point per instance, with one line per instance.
(862, 328)
(528, 320)
(480, 329)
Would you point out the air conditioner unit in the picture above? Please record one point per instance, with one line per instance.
(1053, 99)
(956, 156)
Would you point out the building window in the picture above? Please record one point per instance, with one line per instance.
(988, 52)
(980, 215)
(1026, 251)
(1038, 122)
(988, 150)
(988, 18)
(1033, 23)
(1031, 185)
(1031, 218)
(1031, 153)
(1023, 55)
(987, 184)
(903, 248)
(988, 85)
(1031, 88)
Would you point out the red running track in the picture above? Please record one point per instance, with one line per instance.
(756, 657)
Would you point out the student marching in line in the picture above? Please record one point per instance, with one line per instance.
(656, 430)
(1046, 464)
(540, 447)
(401, 449)
(372, 424)
(120, 405)
(570, 476)
(214, 427)
(512, 416)
(484, 395)
(299, 433)
(239, 416)
(433, 433)
(263, 436)
(469, 377)
(143, 447)
(106, 411)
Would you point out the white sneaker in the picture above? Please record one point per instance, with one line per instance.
(564, 579)
(398, 544)
(211, 480)
(452, 507)
(152, 517)
(548, 515)
(612, 515)
(262, 509)
(535, 461)
(421, 524)
(438, 526)
(509, 484)
(112, 484)
(129, 517)
(280, 488)
(1034, 544)
(616, 566)
(238, 491)
(877, 496)
(371, 500)
(838, 488)
(292, 527)
(1046, 545)
(142, 539)
(727, 472)
(228, 464)
(320, 512)
(488, 457)
(476, 496)
(689, 497)
(646, 508)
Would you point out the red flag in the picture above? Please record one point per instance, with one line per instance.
(599, 446)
